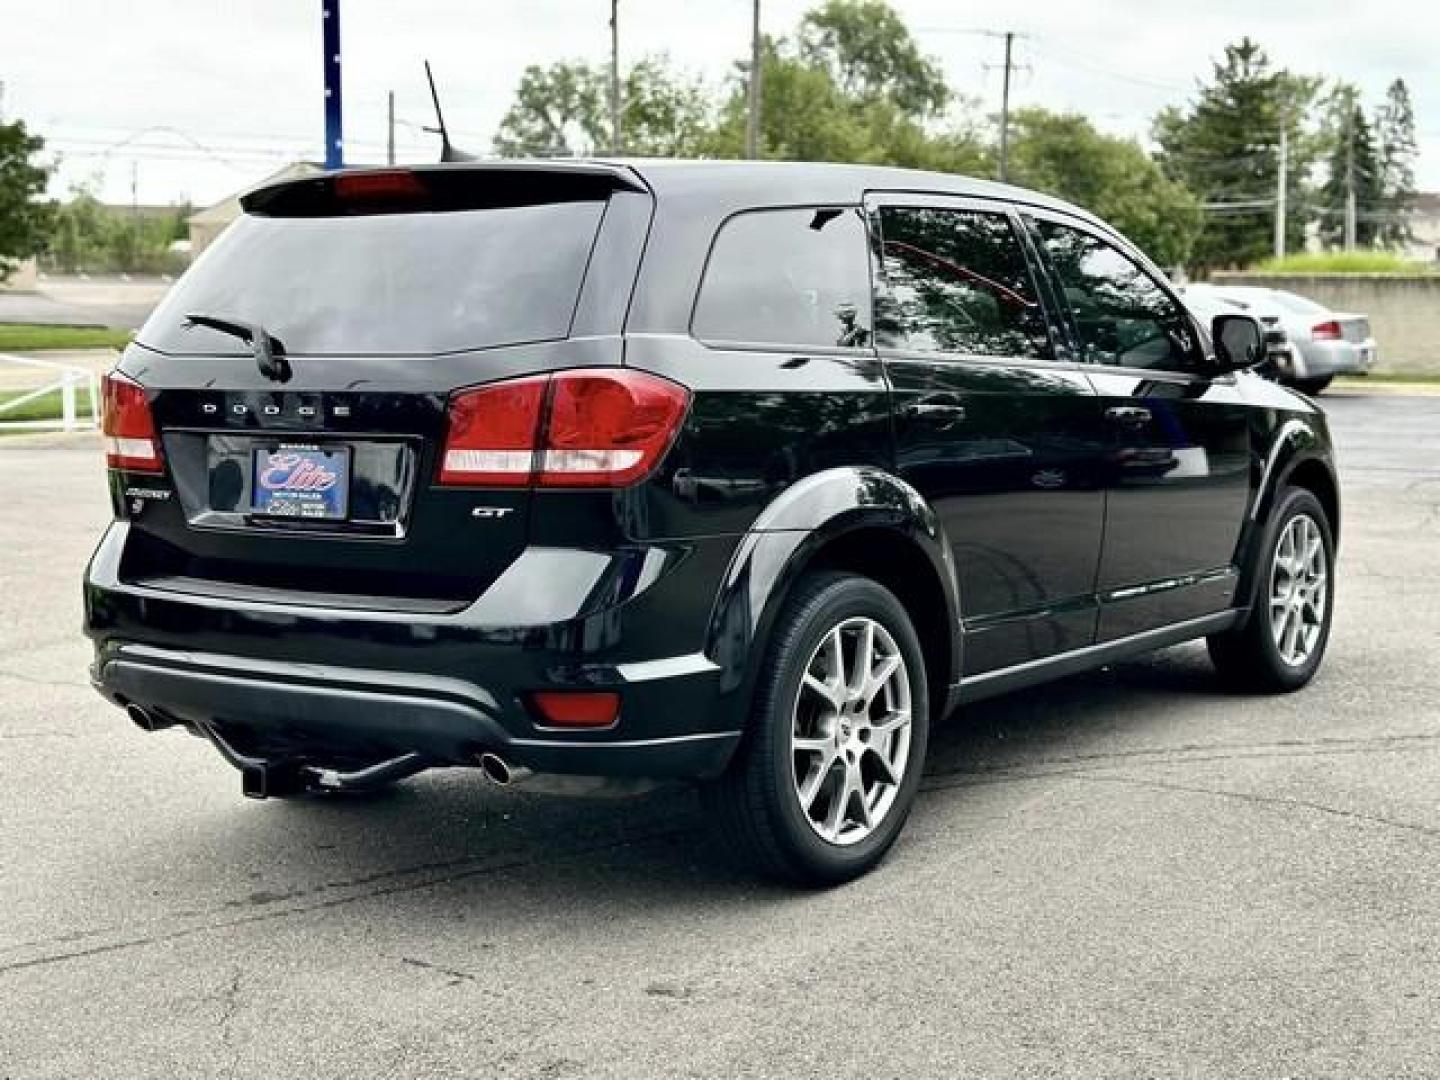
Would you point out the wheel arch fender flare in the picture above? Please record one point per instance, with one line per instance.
(791, 534)
(1297, 452)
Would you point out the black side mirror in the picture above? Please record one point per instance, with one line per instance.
(1239, 341)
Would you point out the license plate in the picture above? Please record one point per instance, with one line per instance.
(301, 481)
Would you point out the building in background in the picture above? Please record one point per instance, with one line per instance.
(23, 278)
(206, 225)
(1424, 228)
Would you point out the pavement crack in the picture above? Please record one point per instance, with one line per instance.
(478, 868)
(229, 1008)
(1195, 752)
(6, 673)
(1269, 801)
(39, 734)
(455, 975)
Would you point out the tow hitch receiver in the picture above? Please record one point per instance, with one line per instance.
(272, 779)
(276, 779)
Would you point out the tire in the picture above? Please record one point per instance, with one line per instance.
(1258, 655)
(757, 806)
(1314, 387)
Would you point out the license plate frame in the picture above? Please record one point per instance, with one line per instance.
(301, 481)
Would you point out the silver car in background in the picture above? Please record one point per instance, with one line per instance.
(1319, 343)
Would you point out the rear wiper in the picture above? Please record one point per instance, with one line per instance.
(269, 351)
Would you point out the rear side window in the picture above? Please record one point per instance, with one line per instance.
(388, 283)
(796, 277)
(955, 281)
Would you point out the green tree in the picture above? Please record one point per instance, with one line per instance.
(1225, 148)
(870, 55)
(1112, 177)
(1397, 148)
(1351, 163)
(564, 109)
(558, 111)
(24, 215)
(825, 97)
(90, 237)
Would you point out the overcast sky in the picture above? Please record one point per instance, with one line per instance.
(197, 98)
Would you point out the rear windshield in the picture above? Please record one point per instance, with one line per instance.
(400, 283)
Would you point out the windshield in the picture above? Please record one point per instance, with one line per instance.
(378, 284)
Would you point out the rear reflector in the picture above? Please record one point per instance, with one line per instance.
(602, 427)
(128, 426)
(576, 708)
(1326, 331)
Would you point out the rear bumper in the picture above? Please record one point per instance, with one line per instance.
(1322, 358)
(347, 688)
(275, 711)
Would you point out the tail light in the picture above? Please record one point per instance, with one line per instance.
(583, 428)
(1326, 331)
(128, 426)
(492, 434)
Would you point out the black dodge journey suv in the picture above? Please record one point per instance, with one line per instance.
(600, 473)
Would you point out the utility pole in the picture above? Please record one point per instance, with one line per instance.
(1005, 110)
(1350, 180)
(752, 116)
(390, 129)
(330, 33)
(134, 212)
(1282, 188)
(615, 76)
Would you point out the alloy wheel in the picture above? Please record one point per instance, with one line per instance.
(850, 731)
(1299, 588)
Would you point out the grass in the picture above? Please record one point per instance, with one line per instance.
(32, 337)
(46, 407)
(1346, 262)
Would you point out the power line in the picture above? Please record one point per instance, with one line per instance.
(1065, 56)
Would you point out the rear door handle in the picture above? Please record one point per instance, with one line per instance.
(945, 408)
(1129, 415)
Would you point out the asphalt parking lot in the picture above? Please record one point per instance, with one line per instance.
(1131, 873)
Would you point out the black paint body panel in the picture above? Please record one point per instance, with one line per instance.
(1044, 534)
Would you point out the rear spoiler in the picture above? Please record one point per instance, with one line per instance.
(454, 185)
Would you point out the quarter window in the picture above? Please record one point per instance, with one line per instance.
(955, 281)
(788, 277)
(1122, 315)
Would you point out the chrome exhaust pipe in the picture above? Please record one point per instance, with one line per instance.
(145, 720)
(496, 770)
(500, 772)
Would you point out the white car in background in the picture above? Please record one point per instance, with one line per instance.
(1319, 343)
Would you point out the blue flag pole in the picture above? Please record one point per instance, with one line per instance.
(334, 138)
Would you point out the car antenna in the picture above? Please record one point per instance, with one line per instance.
(447, 150)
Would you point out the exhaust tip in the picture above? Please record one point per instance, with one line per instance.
(496, 769)
(142, 718)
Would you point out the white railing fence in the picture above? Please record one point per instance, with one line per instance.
(69, 379)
